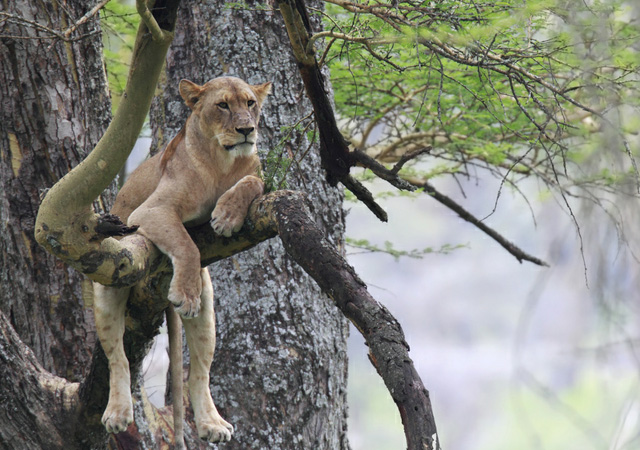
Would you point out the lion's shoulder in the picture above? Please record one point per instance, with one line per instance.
(171, 148)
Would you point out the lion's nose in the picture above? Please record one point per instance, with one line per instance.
(245, 131)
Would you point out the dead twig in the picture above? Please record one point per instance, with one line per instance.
(509, 246)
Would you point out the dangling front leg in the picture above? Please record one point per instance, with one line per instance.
(109, 311)
(201, 338)
(165, 229)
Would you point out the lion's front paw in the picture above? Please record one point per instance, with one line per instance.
(185, 300)
(117, 417)
(214, 430)
(226, 220)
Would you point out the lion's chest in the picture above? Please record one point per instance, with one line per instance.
(212, 190)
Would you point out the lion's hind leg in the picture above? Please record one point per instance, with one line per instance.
(201, 338)
(109, 311)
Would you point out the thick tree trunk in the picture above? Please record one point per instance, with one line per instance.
(279, 373)
(54, 107)
(281, 365)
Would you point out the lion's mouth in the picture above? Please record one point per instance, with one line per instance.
(232, 147)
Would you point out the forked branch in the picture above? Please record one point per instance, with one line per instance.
(336, 157)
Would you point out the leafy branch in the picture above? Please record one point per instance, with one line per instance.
(389, 249)
(467, 62)
(515, 90)
(391, 97)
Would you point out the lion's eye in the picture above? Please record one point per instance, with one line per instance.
(223, 105)
(250, 103)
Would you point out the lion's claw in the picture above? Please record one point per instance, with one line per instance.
(224, 223)
(215, 431)
(187, 306)
(116, 418)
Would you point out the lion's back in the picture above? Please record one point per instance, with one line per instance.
(138, 187)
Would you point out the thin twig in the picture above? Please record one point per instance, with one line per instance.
(92, 12)
(368, 162)
(408, 157)
(52, 34)
(519, 254)
(150, 21)
(346, 37)
(19, 20)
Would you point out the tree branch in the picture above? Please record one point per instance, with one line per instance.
(388, 175)
(345, 37)
(54, 34)
(92, 12)
(334, 149)
(150, 21)
(65, 225)
(388, 350)
(364, 195)
(408, 156)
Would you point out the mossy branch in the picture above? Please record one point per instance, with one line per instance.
(65, 225)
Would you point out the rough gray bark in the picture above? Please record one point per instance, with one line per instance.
(279, 373)
(289, 341)
(44, 131)
(54, 108)
(26, 424)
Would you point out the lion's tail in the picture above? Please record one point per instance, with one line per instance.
(174, 330)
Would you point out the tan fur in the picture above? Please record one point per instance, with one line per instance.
(209, 171)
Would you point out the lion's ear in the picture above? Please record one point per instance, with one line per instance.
(190, 92)
(261, 91)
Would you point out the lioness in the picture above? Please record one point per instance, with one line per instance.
(209, 171)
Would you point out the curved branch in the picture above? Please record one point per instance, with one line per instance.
(65, 225)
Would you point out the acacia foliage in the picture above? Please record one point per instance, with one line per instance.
(546, 89)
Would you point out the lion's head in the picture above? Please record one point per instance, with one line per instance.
(227, 110)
